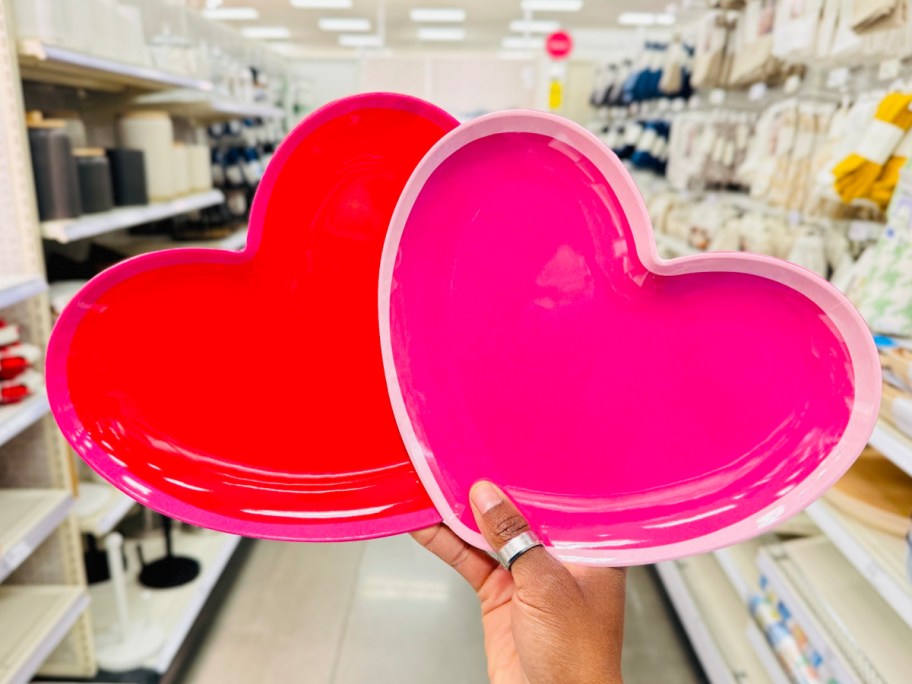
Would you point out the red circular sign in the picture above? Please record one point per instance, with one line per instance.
(559, 44)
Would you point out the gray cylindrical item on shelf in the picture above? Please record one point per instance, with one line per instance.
(56, 178)
(95, 188)
(153, 133)
(128, 173)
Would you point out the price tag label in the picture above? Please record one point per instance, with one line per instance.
(716, 96)
(756, 92)
(794, 218)
(837, 77)
(888, 69)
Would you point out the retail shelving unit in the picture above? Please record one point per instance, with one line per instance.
(729, 645)
(132, 245)
(894, 445)
(878, 556)
(14, 289)
(173, 610)
(98, 224)
(61, 66)
(18, 417)
(43, 598)
(105, 520)
(850, 625)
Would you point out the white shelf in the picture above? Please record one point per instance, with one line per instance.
(61, 66)
(97, 224)
(173, 610)
(878, 556)
(715, 619)
(245, 110)
(857, 634)
(675, 245)
(14, 418)
(14, 289)
(132, 245)
(206, 106)
(114, 510)
(33, 621)
(27, 518)
(893, 444)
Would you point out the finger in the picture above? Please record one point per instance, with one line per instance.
(499, 521)
(474, 565)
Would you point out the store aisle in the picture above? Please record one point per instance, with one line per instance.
(385, 611)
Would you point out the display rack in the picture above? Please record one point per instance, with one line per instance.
(894, 445)
(14, 289)
(44, 626)
(133, 245)
(201, 105)
(878, 556)
(718, 624)
(104, 521)
(98, 224)
(60, 66)
(33, 622)
(18, 417)
(173, 610)
(27, 518)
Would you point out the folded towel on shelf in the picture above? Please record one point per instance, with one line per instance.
(856, 174)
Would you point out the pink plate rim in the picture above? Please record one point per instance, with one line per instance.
(146, 492)
(849, 323)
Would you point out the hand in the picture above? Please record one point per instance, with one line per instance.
(544, 622)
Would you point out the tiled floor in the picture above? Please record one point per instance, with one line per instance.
(383, 612)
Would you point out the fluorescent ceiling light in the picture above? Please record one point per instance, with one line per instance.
(266, 32)
(450, 35)
(232, 14)
(322, 4)
(354, 40)
(534, 26)
(435, 15)
(516, 54)
(646, 19)
(520, 43)
(552, 5)
(344, 24)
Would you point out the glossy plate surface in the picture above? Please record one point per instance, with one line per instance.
(636, 409)
(245, 391)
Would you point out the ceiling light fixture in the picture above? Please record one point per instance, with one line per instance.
(534, 26)
(552, 5)
(520, 43)
(232, 14)
(355, 40)
(444, 35)
(322, 4)
(646, 19)
(435, 15)
(344, 24)
(266, 32)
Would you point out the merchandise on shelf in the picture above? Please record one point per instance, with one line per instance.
(16, 359)
(662, 70)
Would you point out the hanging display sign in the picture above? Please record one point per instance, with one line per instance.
(559, 45)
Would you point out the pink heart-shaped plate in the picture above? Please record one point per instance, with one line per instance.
(635, 409)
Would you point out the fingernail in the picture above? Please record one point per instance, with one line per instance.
(485, 496)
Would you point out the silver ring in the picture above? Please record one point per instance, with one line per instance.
(516, 547)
